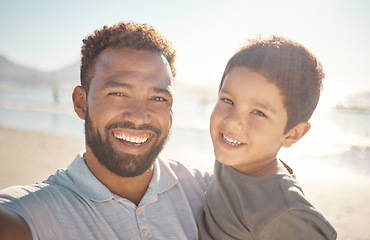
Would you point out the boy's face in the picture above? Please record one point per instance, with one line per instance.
(248, 122)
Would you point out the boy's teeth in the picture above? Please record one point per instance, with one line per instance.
(231, 141)
(132, 139)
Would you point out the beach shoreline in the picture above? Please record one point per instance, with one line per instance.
(342, 196)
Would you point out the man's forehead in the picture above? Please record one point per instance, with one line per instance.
(136, 80)
(125, 61)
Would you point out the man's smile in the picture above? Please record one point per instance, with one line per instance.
(131, 138)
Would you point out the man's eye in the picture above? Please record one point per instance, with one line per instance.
(159, 99)
(259, 113)
(116, 94)
(226, 100)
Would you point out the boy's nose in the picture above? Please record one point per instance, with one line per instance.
(235, 120)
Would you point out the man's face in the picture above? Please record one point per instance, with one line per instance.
(129, 110)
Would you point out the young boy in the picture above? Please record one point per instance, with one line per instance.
(267, 94)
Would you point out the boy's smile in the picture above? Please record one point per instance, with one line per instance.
(248, 122)
(230, 140)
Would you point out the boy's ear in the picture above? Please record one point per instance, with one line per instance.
(79, 101)
(296, 133)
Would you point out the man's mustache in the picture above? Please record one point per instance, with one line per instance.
(131, 125)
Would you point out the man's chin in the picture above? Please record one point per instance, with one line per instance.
(133, 165)
(120, 158)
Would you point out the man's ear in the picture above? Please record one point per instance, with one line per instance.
(79, 101)
(296, 133)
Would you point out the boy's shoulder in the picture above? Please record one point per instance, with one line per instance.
(287, 212)
(267, 203)
(295, 218)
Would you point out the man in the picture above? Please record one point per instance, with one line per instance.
(118, 188)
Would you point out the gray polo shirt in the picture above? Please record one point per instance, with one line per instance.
(74, 204)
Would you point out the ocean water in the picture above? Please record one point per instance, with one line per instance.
(339, 136)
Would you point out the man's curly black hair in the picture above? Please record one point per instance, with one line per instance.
(123, 35)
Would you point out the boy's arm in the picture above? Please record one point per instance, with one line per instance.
(299, 224)
(13, 226)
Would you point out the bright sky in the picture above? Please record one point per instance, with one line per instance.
(47, 34)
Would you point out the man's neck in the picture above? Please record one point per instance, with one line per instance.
(131, 188)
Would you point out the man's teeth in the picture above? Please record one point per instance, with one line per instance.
(132, 139)
(231, 141)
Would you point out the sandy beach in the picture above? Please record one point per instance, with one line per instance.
(342, 196)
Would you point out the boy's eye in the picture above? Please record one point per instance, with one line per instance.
(226, 100)
(259, 113)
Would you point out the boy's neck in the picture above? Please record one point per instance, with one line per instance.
(273, 167)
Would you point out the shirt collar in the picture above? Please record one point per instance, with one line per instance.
(162, 180)
(163, 177)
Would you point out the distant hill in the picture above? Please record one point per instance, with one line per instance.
(66, 77)
(13, 75)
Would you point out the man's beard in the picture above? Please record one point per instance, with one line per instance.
(120, 163)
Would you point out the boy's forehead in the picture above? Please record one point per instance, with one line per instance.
(252, 85)
(264, 75)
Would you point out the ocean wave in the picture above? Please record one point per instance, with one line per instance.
(357, 102)
(43, 108)
(352, 108)
(355, 158)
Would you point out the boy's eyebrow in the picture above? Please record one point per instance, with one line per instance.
(260, 103)
(265, 106)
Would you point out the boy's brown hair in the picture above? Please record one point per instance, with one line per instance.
(130, 35)
(288, 65)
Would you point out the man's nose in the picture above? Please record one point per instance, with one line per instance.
(137, 113)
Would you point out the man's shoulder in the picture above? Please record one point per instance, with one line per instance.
(21, 191)
(187, 175)
(31, 194)
(45, 192)
(25, 201)
(183, 170)
(191, 183)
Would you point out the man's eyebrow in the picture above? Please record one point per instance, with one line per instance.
(168, 91)
(112, 83)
